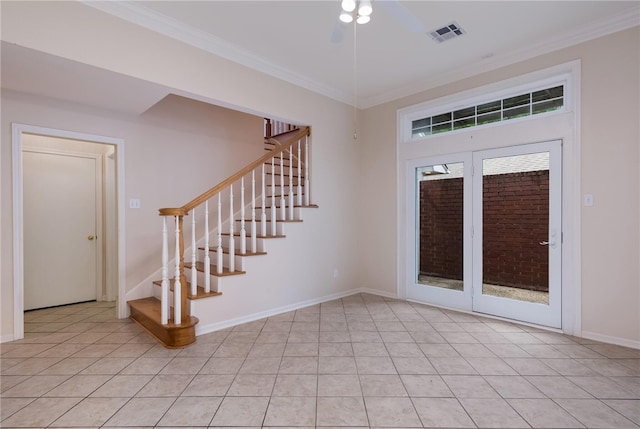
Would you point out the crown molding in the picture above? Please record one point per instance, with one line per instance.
(152, 20)
(617, 23)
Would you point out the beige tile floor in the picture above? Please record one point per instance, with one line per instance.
(362, 361)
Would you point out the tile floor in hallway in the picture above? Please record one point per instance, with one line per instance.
(360, 361)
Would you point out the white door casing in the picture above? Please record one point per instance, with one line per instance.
(18, 131)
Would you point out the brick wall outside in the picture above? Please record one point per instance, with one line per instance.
(441, 228)
(515, 216)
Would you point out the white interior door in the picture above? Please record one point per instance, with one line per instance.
(517, 237)
(60, 243)
(439, 233)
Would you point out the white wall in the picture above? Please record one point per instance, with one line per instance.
(610, 138)
(168, 161)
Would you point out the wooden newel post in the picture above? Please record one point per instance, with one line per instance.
(181, 308)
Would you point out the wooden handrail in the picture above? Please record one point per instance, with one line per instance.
(184, 210)
(281, 135)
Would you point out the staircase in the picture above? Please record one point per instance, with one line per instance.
(227, 224)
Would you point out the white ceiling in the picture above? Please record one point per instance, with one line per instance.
(292, 39)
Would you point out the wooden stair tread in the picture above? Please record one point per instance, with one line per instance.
(213, 269)
(295, 206)
(237, 253)
(286, 173)
(285, 196)
(200, 290)
(237, 234)
(277, 220)
(146, 312)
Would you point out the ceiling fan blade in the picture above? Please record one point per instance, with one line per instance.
(338, 32)
(397, 11)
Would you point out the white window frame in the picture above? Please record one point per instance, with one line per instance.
(480, 96)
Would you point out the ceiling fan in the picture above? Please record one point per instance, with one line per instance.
(362, 10)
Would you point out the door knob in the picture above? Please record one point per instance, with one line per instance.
(91, 237)
(544, 243)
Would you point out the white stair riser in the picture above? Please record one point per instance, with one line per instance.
(215, 281)
(296, 212)
(259, 242)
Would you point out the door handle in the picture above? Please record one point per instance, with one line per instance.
(552, 240)
(91, 237)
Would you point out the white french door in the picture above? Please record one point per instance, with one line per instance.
(517, 237)
(439, 231)
(485, 232)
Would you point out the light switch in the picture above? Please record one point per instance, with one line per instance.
(134, 203)
(588, 200)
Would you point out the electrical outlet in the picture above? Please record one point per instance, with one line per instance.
(335, 273)
(134, 203)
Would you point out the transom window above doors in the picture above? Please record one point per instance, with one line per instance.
(542, 97)
(530, 103)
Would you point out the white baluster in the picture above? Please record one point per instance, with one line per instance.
(283, 201)
(164, 294)
(219, 253)
(177, 285)
(254, 239)
(207, 258)
(194, 258)
(290, 184)
(232, 240)
(299, 176)
(243, 231)
(263, 215)
(273, 197)
(306, 171)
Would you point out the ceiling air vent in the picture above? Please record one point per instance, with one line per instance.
(447, 32)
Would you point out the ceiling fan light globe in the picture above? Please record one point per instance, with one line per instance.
(346, 17)
(363, 19)
(365, 8)
(348, 5)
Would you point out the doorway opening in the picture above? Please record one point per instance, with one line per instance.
(68, 219)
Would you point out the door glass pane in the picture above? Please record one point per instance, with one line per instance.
(440, 225)
(515, 231)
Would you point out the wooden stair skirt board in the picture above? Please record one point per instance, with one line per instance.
(146, 313)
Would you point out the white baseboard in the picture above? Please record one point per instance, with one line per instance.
(6, 338)
(269, 313)
(611, 340)
(377, 292)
